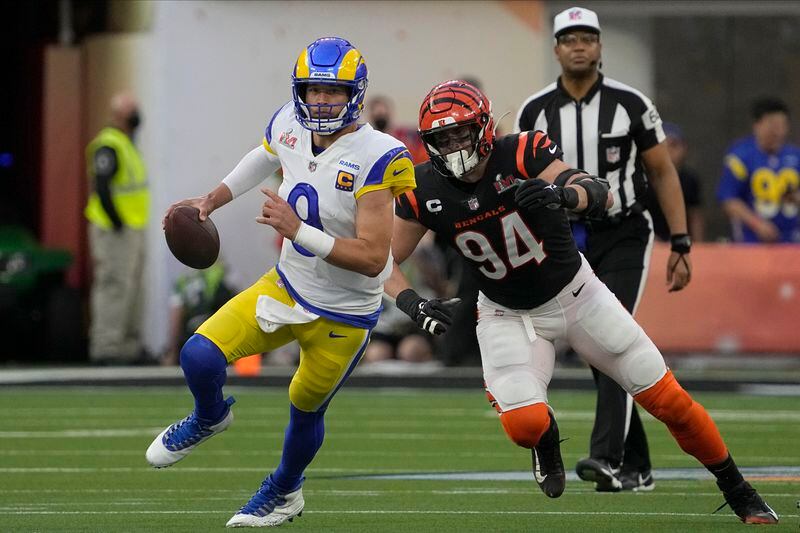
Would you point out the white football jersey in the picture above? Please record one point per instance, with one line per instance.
(323, 190)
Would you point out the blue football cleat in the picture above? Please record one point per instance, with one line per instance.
(176, 441)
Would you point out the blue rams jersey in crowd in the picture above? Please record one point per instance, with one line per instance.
(762, 181)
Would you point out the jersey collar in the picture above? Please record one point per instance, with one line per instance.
(564, 97)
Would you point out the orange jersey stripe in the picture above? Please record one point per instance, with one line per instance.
(536, 138)
(523, 139)
(412, 200)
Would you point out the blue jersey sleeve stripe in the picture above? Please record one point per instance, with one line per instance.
(268, 132)
(375, 176)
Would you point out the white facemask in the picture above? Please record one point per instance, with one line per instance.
(461, 162)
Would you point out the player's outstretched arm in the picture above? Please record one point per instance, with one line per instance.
(434, 315)
(220, 196)
(369, 251)
(406, 235)
(560, 186)
(253, 168)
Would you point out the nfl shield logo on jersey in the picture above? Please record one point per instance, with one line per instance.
(612, 154)
(312, 166)
(473, 203)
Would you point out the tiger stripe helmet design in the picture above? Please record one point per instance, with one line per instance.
(448, 107)
(334, 61)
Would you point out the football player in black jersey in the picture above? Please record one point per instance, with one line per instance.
(501, 203)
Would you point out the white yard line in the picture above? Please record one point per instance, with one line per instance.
(766, 460)
(26, 511)
(153, 431)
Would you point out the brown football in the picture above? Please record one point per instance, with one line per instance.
(192, 242)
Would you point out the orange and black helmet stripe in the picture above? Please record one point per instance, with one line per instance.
(462, 95)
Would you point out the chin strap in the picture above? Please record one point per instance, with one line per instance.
(497, 122)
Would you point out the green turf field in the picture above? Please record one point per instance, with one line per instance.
(73, 460)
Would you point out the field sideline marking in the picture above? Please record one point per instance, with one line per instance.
(768, 473)
(784, 473)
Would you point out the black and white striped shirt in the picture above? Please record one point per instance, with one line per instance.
(604, 134)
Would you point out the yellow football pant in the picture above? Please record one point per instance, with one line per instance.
(329, 350)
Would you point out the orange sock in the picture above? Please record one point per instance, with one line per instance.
(526, 425)
(686, 419)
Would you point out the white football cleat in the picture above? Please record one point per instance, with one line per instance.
(179, 439)
(269, 508)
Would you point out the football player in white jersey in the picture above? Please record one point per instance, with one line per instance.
(334, 210)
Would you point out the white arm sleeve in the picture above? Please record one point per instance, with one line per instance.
(256, 166)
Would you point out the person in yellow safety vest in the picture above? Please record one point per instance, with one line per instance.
(118, 212)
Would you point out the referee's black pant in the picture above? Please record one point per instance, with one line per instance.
(618, 254)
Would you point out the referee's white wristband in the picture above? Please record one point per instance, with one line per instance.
(315, 241)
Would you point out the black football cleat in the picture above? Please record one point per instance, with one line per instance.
(637, 481)
(748, 505)
(605, 476)
(548, 468)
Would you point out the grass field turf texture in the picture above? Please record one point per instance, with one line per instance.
(72, 459)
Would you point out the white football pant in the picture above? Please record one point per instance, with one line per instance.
(517, 348)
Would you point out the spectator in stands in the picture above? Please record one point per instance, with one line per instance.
(690, 184)
(196, 296)
(380, 115)
(760, 177)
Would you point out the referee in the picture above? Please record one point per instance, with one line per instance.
(613, 131)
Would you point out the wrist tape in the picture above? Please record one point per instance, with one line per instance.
(314, 240)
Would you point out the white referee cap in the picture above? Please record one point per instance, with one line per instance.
(574, 18)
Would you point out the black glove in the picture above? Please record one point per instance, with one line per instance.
(431, 315)
(535, 193)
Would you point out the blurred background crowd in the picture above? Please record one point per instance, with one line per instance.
(722, 74)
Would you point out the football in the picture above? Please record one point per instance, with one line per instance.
(192, 242)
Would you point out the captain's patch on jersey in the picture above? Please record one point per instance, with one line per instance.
(345, 181)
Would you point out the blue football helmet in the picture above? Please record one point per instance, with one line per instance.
(334, 61)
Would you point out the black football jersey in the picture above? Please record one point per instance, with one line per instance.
(521, 258)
